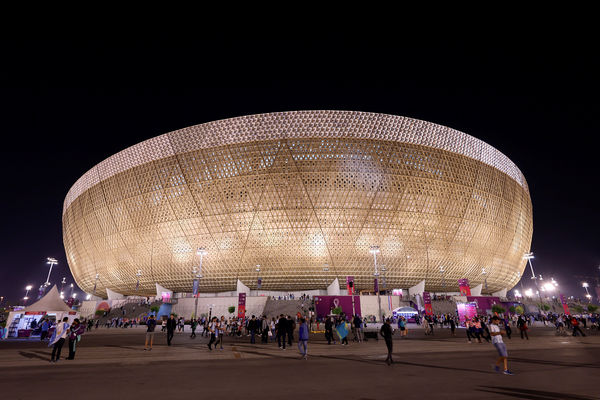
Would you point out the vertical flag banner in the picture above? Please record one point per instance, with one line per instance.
(564, 303)
(376, 285)
(195, 289)
(350, 285)
(463, 286)
(259, 283)
(427, 303)
(241, 305)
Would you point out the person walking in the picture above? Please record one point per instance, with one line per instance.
(75, 331)
(45, 328)
(221, 333)
(171, 325)
(281, 330)
(58, 339)
(264, 338)
(522, 325)
(358, 328)
(452, 325)
(576, 328)
(193, 325)
(150, 326)
(252, 329)
(507, 327)
(213, 329)
(303, 338)
(499, 345)
(329, 330)
(291, 327)
(386, 332)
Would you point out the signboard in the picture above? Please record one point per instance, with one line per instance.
(324, 305)
(35, 312)
(427, 303)
(350, 284)
(466, 311)
(463, 287)
(241, 305)
(564, 303)
(195, 288)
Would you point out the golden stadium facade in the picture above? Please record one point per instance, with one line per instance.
(304, 195)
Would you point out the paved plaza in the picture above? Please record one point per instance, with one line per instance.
(111, 363)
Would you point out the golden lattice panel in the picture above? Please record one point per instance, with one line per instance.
(295, 191)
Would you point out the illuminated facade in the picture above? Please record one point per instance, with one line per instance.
(304, 195)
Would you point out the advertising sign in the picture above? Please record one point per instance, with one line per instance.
(324, 305)
(350, 284)
(463, 287)
(466, 311)
(241, 305)
(563, 301)
(427, 303)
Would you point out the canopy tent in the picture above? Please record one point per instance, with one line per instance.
(50, 305)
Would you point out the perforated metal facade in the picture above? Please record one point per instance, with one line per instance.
(295, 191)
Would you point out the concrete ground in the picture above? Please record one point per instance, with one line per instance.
(111, 363)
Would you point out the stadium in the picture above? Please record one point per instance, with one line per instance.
(290, 201)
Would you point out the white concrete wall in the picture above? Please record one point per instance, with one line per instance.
(368, 305)
(185, 307)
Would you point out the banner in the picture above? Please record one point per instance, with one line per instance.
(376, 285)
(350, 285)
(259, 283)
(463, 287)
(564, 303)
(427, 303)
(325, 304)
(466, 311)
(195, 289)
(241, 305)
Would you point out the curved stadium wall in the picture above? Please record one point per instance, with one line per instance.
(294, 192)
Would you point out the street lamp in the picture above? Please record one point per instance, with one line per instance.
(528, 257)
(585, 286)
(198, 274)
(27, 289)
(52, 262)
(62, 283)
(96, 283)
(442, 270)
(374, 250)
(258, 279)
(138, 275)
(484, 273)
(72, 287)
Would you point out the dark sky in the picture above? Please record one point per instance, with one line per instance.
(70, 102)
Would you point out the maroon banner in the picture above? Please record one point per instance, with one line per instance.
(564, 303)
(241, 305)
(464, 287)
(376, 285)
(427, 303)
(350, 285)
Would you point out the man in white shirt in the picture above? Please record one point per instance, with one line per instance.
(499, 345)
(58, 339)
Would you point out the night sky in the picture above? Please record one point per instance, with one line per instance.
(70, 102)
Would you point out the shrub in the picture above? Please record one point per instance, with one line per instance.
(100, 312)
(154, 308)
(231, 309)
(520, 310)
(577, 308)
(592, 308)
(512, 309)
(497, 308)
(544, 307)
(337, 310)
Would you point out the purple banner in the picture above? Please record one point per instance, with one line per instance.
(241, 305)
(324, 305)
(376, 285)
(484, 303)
(259, 283)
(427, 303)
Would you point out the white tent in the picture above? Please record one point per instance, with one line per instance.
(49, 305)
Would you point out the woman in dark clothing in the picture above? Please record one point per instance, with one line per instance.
(386, 332)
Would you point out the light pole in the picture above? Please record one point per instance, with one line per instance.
(62, 284)
(258, 278)
(96, 283)
(325, 269)
(484, 273)
(52, 262)
(374, 250)
(588, 295)
(138, 275)
(442, 270)
(528, 257)
(27, 289)
(71, 290)
(200, 252)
